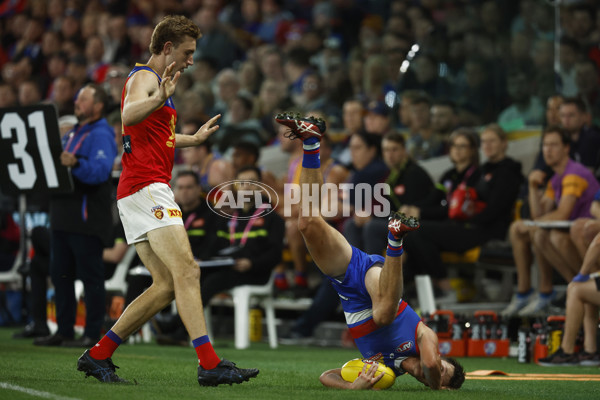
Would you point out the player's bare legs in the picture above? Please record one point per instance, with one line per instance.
(154, 299)
(540, 241)
(175, 275)
(545, 242)
(563, 253)
(172, 247)
(385, 285)
(520, 239)
(327, 247)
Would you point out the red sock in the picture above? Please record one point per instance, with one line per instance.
(281, 282)
(300, 280)
(207, 357)
(106, 346)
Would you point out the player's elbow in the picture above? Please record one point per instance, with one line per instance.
(383, 316)
(130, 118)
(127, 120)
(325, 378)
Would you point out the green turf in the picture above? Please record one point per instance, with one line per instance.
(286, 373)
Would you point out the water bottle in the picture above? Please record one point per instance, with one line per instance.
(255, 324)
(524, 349)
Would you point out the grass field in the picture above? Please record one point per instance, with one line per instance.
(289, 372)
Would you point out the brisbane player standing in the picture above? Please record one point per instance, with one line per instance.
(150, 216)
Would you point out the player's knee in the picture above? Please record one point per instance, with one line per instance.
(513, 231)
(589, 232)
(190, 274)
(165, 291)
(540, 237)
(573, 290)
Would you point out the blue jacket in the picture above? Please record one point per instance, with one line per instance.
(88, 209)
(96, 153)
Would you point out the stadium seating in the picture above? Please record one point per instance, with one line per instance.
(241, 298)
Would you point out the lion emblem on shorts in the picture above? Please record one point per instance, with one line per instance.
(158, 212)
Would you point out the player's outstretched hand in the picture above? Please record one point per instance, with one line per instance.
(168, 83)
(207, 129)
(366, 379)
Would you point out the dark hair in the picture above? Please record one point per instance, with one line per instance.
(370, 139)
(298, 56)
(189, 173)
(248, 147)
(577, 102)
(395, 137)
(422, 99)
(173, 28)
(100, 95)
(446, 103)
(210, 61)
(473, 139)
(565, 138)
(245, 100)
(250, 168)
(458, 378)
(570, 42)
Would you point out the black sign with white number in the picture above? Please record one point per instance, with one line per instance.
(30, 148)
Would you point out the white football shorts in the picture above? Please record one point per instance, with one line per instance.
(147, 209)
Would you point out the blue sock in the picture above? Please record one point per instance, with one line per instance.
(394, 247)
(312, 158)
(547, 296)
(523, 296)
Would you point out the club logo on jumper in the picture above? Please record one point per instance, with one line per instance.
(174, 213)
(231, 198)
(158, 211)
(406, 346)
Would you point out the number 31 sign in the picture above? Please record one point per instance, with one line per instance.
(30, 148)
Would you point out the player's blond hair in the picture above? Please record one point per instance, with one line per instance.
(174, 29)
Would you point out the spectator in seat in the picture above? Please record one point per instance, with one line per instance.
(568, 196)
(409, 185)
(496, 184)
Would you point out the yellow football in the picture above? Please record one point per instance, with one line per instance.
(353, 368)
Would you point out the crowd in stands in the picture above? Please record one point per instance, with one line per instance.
(397, 82)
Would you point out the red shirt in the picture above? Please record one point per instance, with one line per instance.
(148, 147)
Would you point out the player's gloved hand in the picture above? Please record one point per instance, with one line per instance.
(581, 277)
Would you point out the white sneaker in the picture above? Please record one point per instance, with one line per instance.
(538, 307)
(516, 305)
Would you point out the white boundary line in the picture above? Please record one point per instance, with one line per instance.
(33, 392)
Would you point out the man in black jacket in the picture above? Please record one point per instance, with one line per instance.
(80, 222)
(410, 185)
(252, 237)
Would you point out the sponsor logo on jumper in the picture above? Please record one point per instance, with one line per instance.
(158, 211)
(174, 213)
(406, 346)
(374, 358)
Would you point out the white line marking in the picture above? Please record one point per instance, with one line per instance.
(33, 392)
